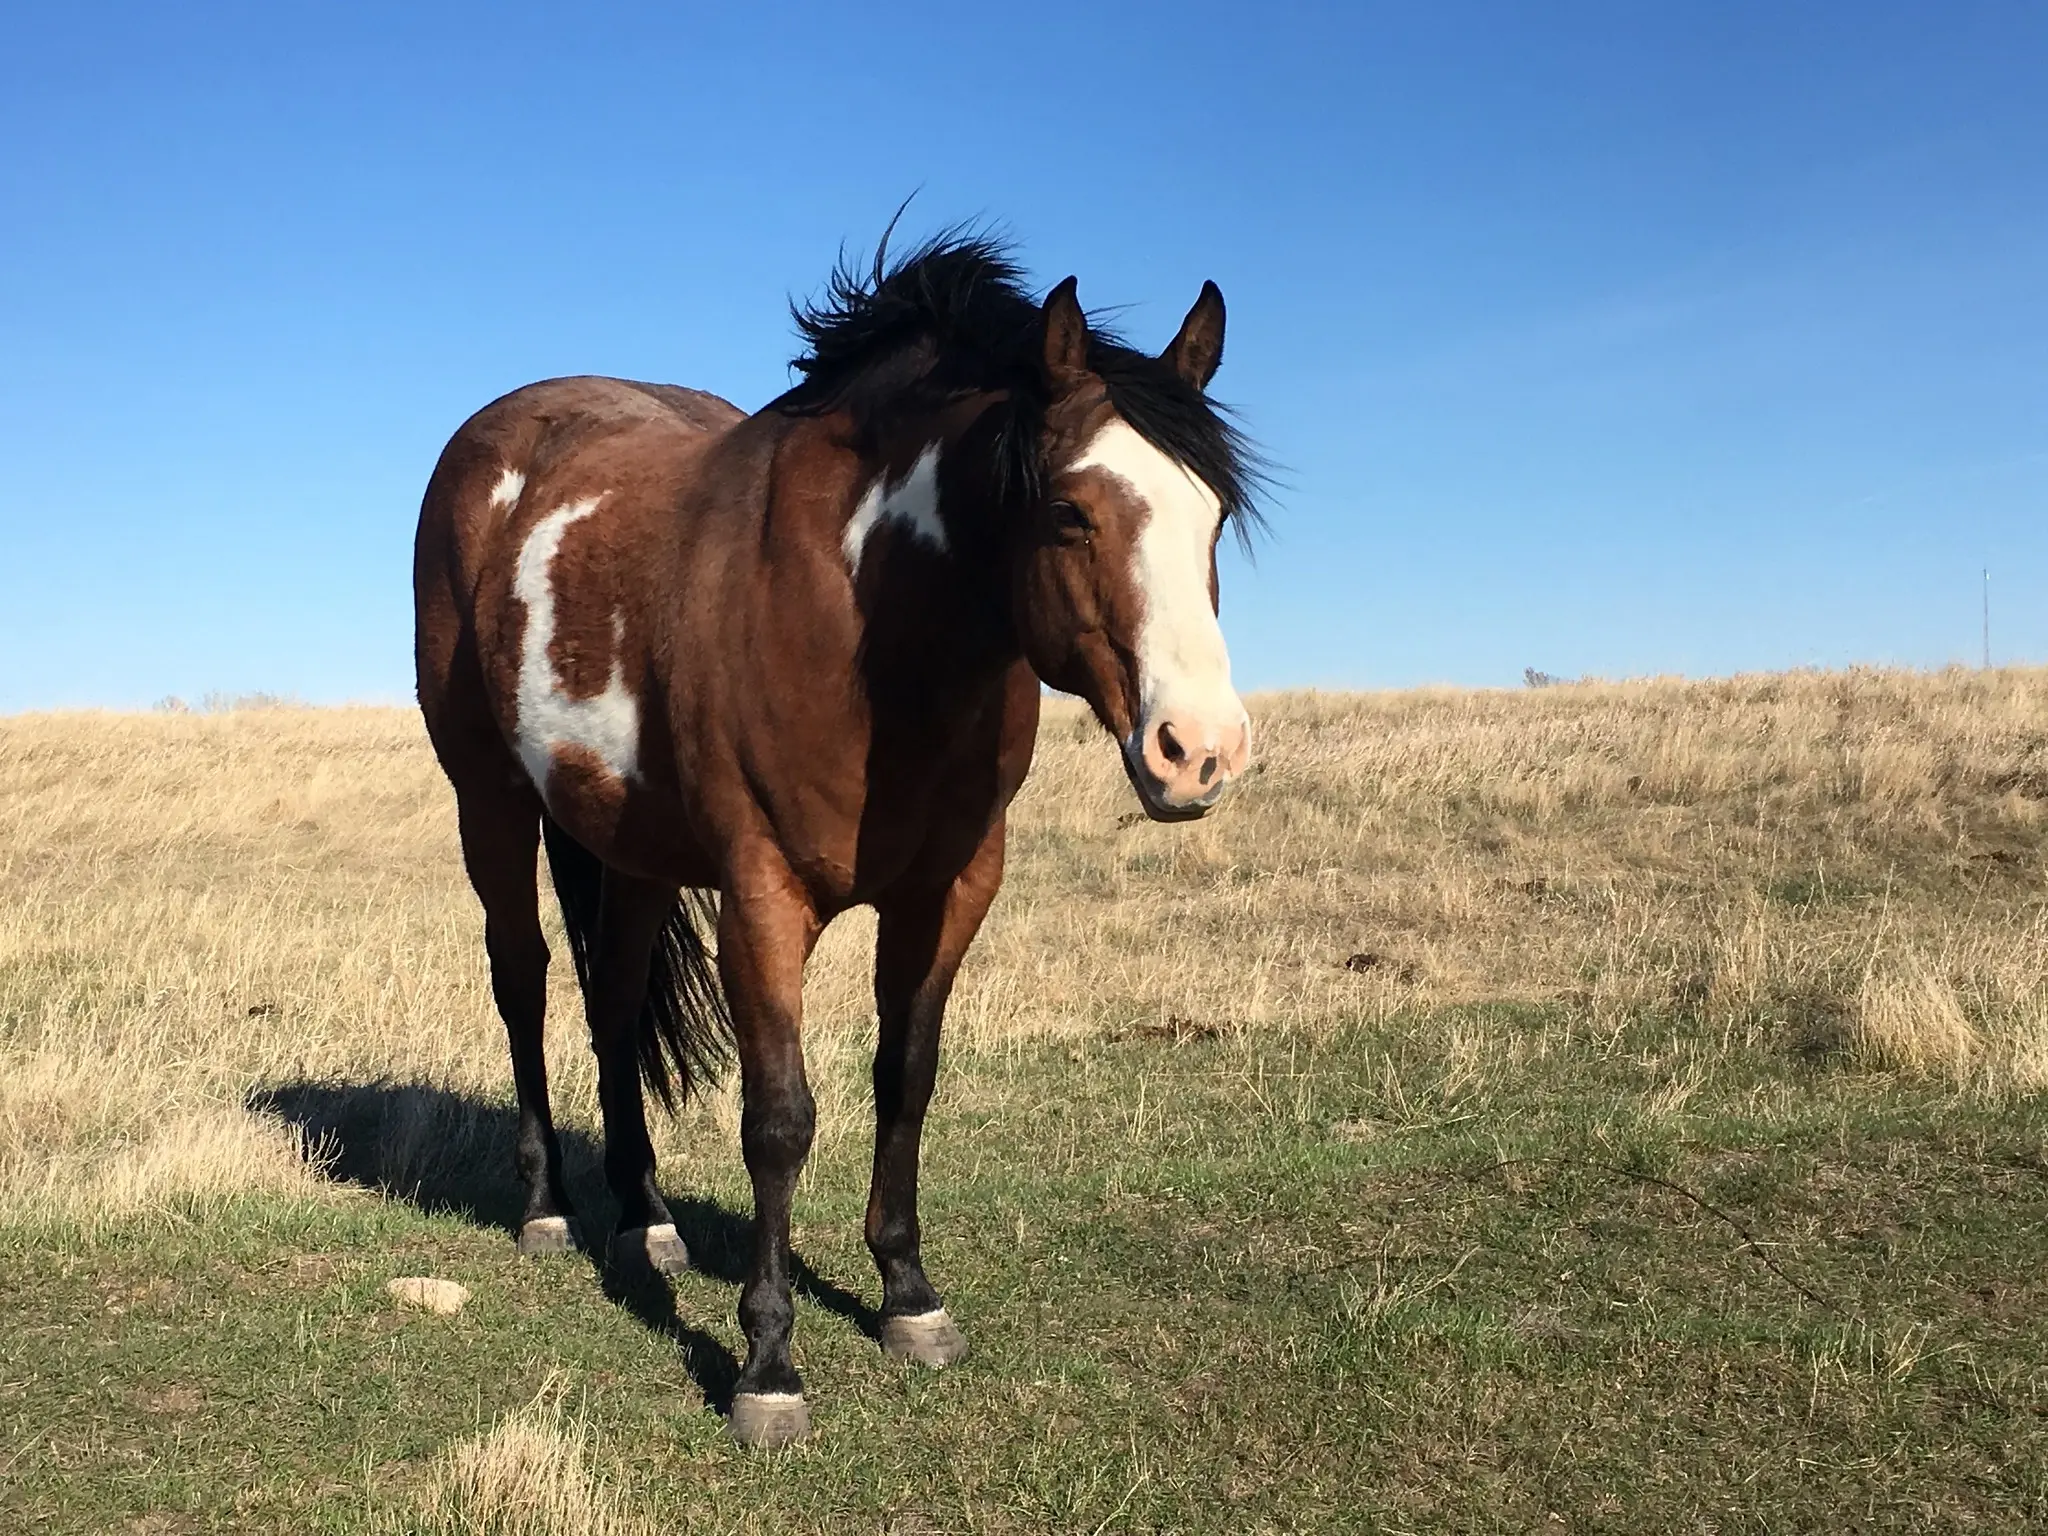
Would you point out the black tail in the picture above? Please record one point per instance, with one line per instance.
(685, 1026)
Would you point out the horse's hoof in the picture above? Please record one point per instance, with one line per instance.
(765, 1420)
(650, 1251)
(929, 1338)
(548, 1234)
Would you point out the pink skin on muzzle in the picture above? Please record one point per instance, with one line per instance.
(1180, 765)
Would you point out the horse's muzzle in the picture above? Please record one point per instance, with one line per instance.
(1181, 767)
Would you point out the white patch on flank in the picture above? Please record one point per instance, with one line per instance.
(505, 494)
(607, 725)
(1183, 665)
(912, 501)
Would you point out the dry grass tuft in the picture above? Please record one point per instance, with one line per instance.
(85, 1140)
(530, 1475)
(204, 908)
(1909, 1019)
(1987, 1035)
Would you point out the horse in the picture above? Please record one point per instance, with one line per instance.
(740, 673)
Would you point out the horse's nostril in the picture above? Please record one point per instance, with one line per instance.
(1170, 747)
(1209, 767)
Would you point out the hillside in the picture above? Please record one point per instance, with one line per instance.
(1615, 1104)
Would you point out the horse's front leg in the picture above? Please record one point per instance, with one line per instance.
(765, 932)
(918, 946)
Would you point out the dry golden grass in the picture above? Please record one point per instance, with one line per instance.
(529, 1475)
(202, 904)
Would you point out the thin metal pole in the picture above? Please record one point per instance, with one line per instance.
(1987, 618)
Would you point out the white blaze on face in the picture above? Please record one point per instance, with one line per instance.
(1183, 665)
(607, 726)
(912, 502)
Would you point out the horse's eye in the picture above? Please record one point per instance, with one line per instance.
(1071, 523)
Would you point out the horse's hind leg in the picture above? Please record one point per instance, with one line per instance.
(630, 918)
(500, 847)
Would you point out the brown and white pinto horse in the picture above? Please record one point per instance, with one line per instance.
(793, 659)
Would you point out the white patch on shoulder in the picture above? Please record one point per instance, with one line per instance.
(912, 501)
(608, 726)
(506, 493)
(1183, 665)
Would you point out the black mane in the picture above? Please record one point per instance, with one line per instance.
(954, 317)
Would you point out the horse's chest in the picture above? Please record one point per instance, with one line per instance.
(923, 819)
(857, 823)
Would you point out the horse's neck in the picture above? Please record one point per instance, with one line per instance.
(927, 554)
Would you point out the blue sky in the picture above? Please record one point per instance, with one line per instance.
(1601, 338)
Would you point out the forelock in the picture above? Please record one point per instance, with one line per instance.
(1184, 424)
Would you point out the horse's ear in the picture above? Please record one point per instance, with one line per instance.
(1066, 337)
(1197, 351)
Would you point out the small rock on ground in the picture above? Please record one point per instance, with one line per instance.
(444, 1298)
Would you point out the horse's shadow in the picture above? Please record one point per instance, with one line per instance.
(451, 1153)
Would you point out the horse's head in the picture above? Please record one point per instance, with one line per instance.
(1115, 590)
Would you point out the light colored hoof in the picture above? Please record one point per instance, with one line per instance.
(929, 1338)
(650, 1250)
(765, 1420)
(548, 1234)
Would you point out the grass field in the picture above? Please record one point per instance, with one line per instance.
(1596, 1108)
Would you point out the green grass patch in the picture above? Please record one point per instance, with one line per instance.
(1359, 1282)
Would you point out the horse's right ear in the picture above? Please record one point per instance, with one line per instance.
(1066, 338)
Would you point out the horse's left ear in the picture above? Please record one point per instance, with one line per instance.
(1197, 352)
